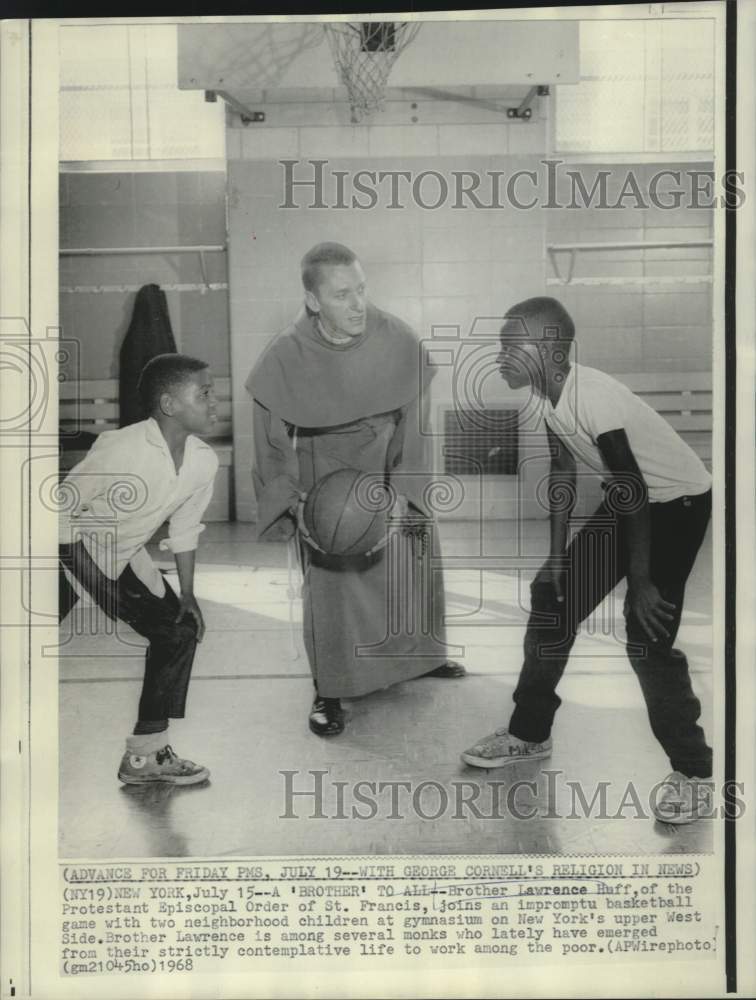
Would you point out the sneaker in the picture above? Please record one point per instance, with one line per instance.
(502, 748)
(680, 799)
(162, 765)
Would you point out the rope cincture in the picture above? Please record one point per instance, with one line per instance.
(293, 591)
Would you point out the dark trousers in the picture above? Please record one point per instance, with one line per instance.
(172, 644)
(596, 561)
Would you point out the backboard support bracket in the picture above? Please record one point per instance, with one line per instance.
(247, 115)
(524, 111)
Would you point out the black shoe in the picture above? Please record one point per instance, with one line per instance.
(326, 717)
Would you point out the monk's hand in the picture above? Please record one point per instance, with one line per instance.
(652, 612)
(403, 514)
(411, 521)
(398, 512)
(297, 512)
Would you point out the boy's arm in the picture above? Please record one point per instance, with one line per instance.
(644, 599)
(185, 523)
(562, 495)
(188, 602)
(183, 534)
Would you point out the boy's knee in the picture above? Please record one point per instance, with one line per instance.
(543, 597)
(185, 631)
(658, 660)
(551, 641)
(549, 616)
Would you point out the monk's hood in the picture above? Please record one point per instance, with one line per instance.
(310, 383)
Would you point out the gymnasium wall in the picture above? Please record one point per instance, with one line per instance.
(142, 209)
(638, 327)
(445, 267)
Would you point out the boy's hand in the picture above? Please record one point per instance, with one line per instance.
(188, 606)
(649, 607)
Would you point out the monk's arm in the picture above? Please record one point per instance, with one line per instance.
(275, 476)
(410, 454)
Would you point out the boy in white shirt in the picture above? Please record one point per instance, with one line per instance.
(655, 512)
(131, 482)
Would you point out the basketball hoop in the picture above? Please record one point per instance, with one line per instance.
(364, 52)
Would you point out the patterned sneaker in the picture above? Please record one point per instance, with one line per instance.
(680, 799)
(162, 765)
(501, 748)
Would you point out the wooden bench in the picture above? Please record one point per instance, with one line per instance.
(91, 406)
(682, 398)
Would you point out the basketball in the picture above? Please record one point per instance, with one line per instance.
(345, 512)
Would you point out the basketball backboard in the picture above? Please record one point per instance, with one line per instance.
(245, 58)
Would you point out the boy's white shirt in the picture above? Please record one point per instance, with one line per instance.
(593, 403)
(125, 488)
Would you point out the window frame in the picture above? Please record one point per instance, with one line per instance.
(569, 156)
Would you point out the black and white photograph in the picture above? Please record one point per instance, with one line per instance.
(366, 304)
(384, 475)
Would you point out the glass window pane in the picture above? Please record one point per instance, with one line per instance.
(95, 125)
(119, 98)
(646, 87)
(183, 124)
(94, 56)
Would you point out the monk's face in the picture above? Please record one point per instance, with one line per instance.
(340, 299)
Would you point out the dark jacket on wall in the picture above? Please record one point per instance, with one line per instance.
(148, 335)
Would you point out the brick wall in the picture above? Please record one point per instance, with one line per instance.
(639, 328)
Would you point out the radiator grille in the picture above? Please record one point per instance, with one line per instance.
(480, 442)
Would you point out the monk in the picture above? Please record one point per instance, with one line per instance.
(342, 388)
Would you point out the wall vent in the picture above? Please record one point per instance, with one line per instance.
(480, 442)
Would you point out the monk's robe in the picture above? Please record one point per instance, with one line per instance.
(369, 621)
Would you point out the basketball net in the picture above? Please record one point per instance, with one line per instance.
(364, 53)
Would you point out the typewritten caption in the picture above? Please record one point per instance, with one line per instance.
(175, 917)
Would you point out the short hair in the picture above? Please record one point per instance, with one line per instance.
(324, 255)
(541, 318)
(162, 374)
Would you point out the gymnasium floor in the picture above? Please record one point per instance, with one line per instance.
(247, 721)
